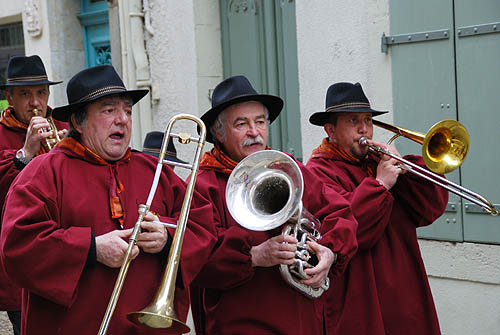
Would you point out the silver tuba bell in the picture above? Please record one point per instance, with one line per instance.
(263, 192)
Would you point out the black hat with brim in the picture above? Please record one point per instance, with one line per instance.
(234, 90)
(26, 71)
(91, 84)
(152, 146)
(343, 98)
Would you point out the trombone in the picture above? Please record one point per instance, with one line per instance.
(52, 140)
(444, 148)
(160, 313)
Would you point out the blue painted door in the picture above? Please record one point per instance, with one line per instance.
(95, 28)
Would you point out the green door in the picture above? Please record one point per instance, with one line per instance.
(259, 41)
(440, 74)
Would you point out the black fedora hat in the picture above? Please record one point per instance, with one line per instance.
(91, 84)
(235, 90)
(343, 98)
(26, 71)
(152, 146)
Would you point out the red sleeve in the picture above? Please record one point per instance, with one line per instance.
(363, 193)
(8, 172)
(230, 264)
(338, 225)
(53, 258)
(425, 200)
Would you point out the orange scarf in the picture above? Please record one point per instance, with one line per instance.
(115, 186)
(217, 160)
(9, 120)
(330, 150)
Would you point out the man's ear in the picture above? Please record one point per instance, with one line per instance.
(8, 97)
(217, 136)
(330, 130)
(77, 127)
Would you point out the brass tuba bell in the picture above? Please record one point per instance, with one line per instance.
(263, 192)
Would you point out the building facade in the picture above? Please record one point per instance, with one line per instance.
(423, 61)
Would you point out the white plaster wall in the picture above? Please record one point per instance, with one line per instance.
(186, 62)
(172, 56)
(11, 11)
(340, 41)
(465, 282)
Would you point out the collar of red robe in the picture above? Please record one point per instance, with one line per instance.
(331, 150)
(217, 160)
(8, 119)
(76, 149)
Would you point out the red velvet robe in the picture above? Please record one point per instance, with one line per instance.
(385, 288)
(241, 299)
(11, 140)
(51, 210)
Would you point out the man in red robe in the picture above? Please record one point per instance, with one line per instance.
(69, 215)
(22, 137)
(242, 291)
(385, 288)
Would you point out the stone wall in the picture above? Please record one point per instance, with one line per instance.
(5, 325)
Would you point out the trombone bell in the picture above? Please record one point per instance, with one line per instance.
(445, 146)
(444, 149)
(159, 316)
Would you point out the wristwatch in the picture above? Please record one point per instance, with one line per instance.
(21, 156)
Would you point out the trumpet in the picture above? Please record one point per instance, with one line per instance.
(263, 192)
(160, 313)
(52, 140)
(444, 148)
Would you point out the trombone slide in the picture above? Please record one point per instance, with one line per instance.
(435, 178)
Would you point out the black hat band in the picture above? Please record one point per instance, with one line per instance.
(23, 79)
(348, 105)
(104, 90)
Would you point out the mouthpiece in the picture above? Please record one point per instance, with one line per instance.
(363, 141)
(35, 111)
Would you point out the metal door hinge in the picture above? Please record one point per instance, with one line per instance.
(451, 207)
(414, 37)
(472, 208)
(479, 29)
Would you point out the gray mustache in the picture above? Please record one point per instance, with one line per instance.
(256, 140)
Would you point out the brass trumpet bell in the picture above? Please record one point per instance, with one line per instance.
(52, 140)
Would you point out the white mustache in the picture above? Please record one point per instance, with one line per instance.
(253, 140)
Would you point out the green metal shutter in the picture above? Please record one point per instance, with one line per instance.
(439, 75)
(259, 41)
(477, 33)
